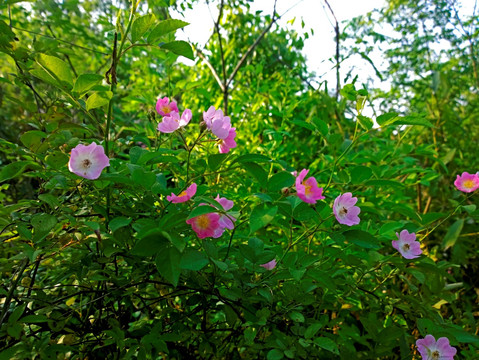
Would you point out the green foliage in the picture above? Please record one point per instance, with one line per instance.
(108, 268)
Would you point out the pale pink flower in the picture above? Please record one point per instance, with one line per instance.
(345, 211)
(269, 265)
(183, 196)
(467, 182)
(220, 125)
(228, 143)
(432, 350)
(208, 116)
(164, 107)
(407, 245)
(206, 225)
(226, 221)
(173, 122)
(217, 123)
(88, 161)
(308, 190)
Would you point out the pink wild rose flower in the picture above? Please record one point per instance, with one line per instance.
(229, 143)
(308, 190)
(269, 265)
(206, 225)
(164, 107)
(226, 221)
(208, 116)
(217, 123)
(183, 196)
(407, 245)
(345, 211)
(88, 161)
(432, 350)
(173, 122)
(467, 182)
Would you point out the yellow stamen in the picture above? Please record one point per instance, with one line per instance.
(468, 184)
(307, 189)
(203, 222)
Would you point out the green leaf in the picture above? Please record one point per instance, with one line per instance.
(179, 47)
(360, 173)
(140, 26)
(257, 171)
(215, 160)
(312, 330)
(327, 344)
(201, 210)
(168, 263)
(165, 27)
(274, 354)
(42, 223)
(413, 120)
(97, 99)
(34, 319)
(406, 120)
(15, 169)
(385, 118)
(32, 138)
(119, 222)
(252, 158)
(296, 316)
(321, 126)
(349, 92)
(57, 159)
(51, 200)
(150, 243)
(261, 216)
(194, 260)
(85, 82)
(366, 122)
(280, 180)
(362, 239)
(452, 234)
(56, 70)
(304, 212)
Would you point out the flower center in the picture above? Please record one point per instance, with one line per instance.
(86, 163)
(406, 247)
(468, 184)
(343, 211)
(166, 109)
(183, 193)
(307, 190)
(436, 355)
(203, 222)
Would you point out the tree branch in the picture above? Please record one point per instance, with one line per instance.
(252, 47)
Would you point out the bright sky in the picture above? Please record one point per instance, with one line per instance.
(319, 48)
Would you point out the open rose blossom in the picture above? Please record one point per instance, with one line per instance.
(432, 350)
(407, 245)
(173, 121)
(217, 123)
(269, 265)
(183, 196)
(88, 161)
(467, 182)
(308, 190)
(229, 143)
(345, 211)
(206, 225)
(164, 107)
